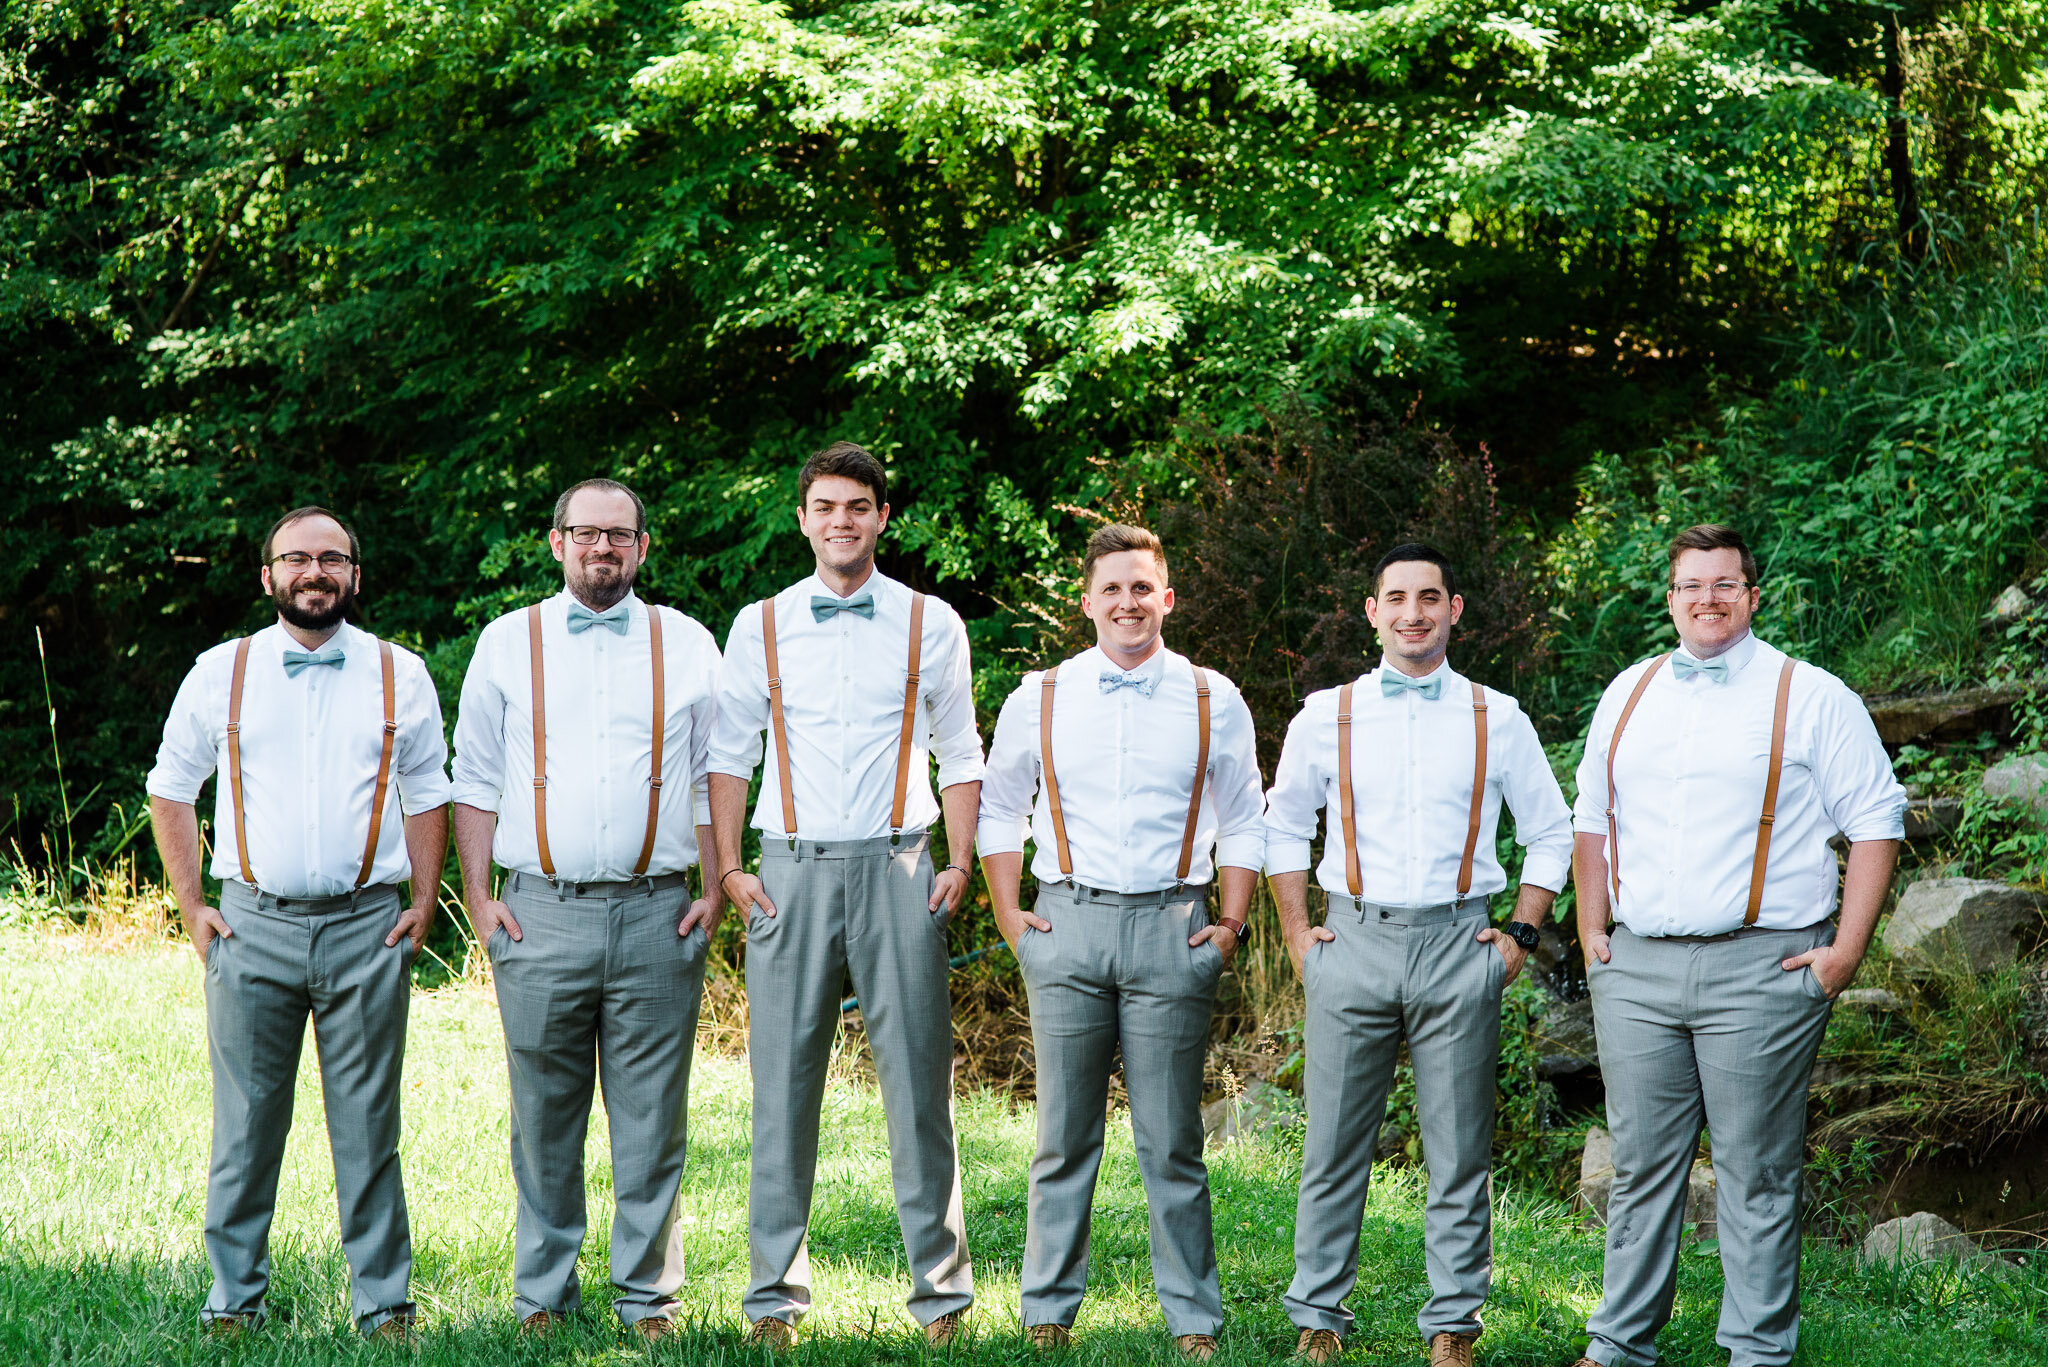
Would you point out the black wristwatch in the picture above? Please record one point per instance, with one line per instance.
(1523, 934)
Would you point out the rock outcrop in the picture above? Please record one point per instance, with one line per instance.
(1962, 925)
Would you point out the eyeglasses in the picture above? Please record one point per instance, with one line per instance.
(297, 561)
(1721, 590)
(618, 536)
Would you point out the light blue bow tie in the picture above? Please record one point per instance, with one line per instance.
(615, 618)
(297, 662)
(1684, 667)
(1110, 680)
(824, 605)
(1393, 683)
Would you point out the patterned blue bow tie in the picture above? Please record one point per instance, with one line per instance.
(614, 618)
(1110, 680)
(1393, 683)
(825, 605)
(1684, 667)
(297, 662)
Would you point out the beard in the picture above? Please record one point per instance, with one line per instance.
(343, 597)
(601, 583)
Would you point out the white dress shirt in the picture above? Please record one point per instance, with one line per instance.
(1689, 786)
(599, 699)
(1411, 780)
(1125, 764)
(310, 747)
(842, 707)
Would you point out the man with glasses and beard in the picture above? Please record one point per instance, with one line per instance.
(580, 759)
(580, 753)
(331, 793)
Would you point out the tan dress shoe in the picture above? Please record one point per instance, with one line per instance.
(652, 1330)
(539, 1324)
(1048, 1338)
(1318, 1345)
(946, 1330)
(400, 1328)
(1196, 1347)
(1451, 1350)
(777, 1336)
(230, 1328)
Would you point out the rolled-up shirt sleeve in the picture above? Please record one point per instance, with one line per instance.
(422, 760)
(1300, 788)
(1858, 790)
(742, 709)
(1009, 781)
(1236, 787)
(480, 731)
(955, 739)
(1543, 823)
(187, 755)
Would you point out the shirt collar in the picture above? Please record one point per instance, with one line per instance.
(1094, 659)
(1442, 671)
(277, 640)
(881, 585)
(1737, 655)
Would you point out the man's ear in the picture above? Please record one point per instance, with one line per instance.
(1457, 607)
(1372, 611)
(884, 522)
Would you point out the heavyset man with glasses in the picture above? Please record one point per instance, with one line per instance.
(1411, 764)
(580, 755)
(860, 683)
(331, 792)
(1714, 777)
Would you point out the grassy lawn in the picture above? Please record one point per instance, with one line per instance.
(103, 1151)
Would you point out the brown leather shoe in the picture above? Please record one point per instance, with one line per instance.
(401, 1328)
(230, 1328)
(1196, 1347)
(1318, 1345)
(651, 1330)
(1585, 1362)
(1048, 1338)
(539, 1324)
(777, 1336)
(1452, 1350)
(946, 1330)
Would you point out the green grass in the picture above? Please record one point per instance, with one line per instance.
(103, 1149)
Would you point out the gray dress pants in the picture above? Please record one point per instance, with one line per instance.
(288, 959)
(858, 907)
(601, 986)
(1116, 969)
(1699, 1030)
(1394, 973)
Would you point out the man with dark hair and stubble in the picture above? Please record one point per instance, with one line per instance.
(858, 683)
(580, 756)
(1136, 774)
(1714, 776)
(1410, 765)
(331, 792)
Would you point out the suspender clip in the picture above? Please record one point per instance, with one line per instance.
(391, 727)
(654, 781)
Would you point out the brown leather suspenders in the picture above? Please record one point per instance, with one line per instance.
(771, 661)
(383, 759)
(1761, 860)
(1354, 877)
(540, 740)
(1052, 783)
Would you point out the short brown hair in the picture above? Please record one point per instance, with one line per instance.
(605, 486)
(1711, 536)
(355, 549)
(848, 461)
(1113, 538)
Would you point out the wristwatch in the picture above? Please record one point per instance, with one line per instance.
(1239, 931)
(1522, 933)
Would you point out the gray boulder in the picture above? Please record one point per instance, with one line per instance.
(1962, 925)
(1564, 1032)
(1921, 1237)
(1927, 817)
(2019, 778)
(2010, 607)
(1261, 1106)
(1872, 999)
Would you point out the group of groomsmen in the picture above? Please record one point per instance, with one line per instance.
(605, 746)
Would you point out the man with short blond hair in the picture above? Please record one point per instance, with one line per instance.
(580, 756)
(1136, 775)
(331, 792)
(1714, 776)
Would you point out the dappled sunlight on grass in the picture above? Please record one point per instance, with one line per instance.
(103, 1153)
